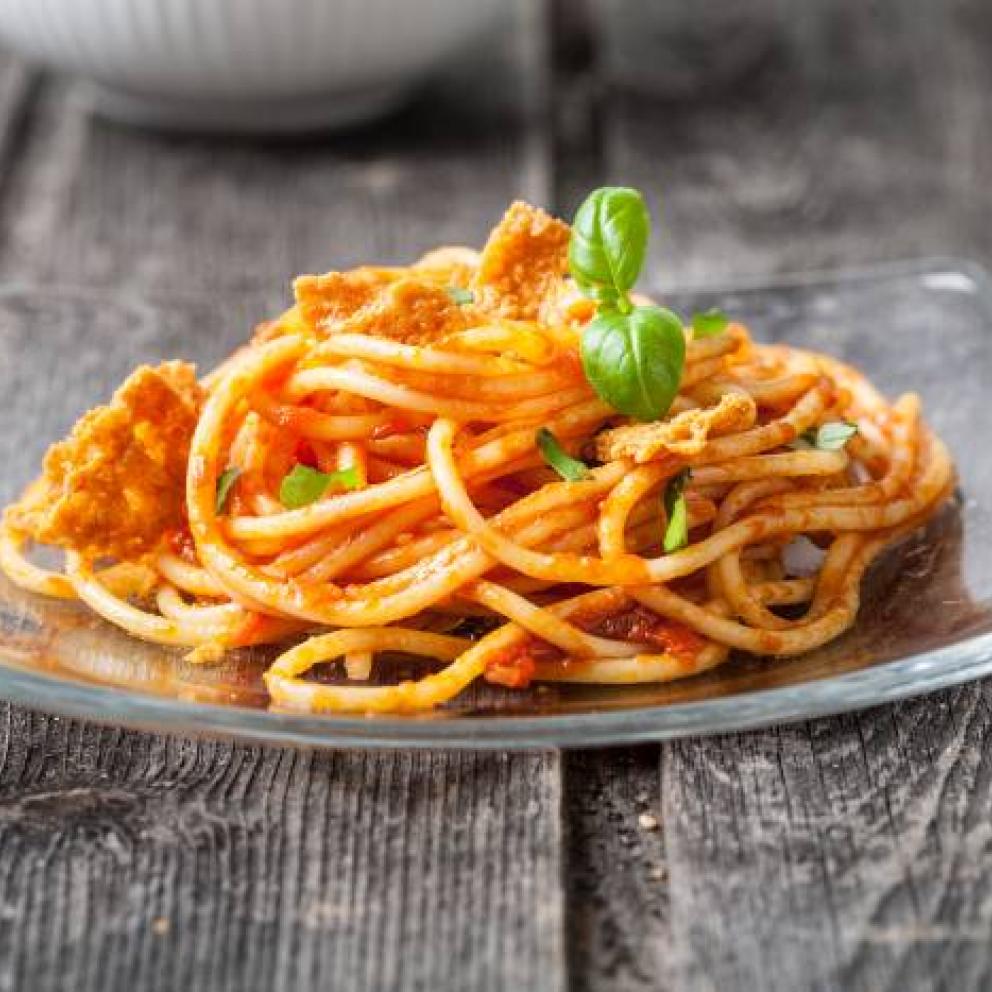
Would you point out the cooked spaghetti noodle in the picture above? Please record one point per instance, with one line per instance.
(409, 401)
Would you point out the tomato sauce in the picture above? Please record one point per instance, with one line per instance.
(639, 625)
(180, 543)
(304, 454)
(397, 425)
(514, 673)
(515, 666)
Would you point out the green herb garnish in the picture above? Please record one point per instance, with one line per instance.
(632, 356)
(676, 512)
(225, 481)
(608, 244)
(304, 485)
(831, 436)
(459, 295)
(555, 455)
(834, 435)
(634, 360)
(709, 324)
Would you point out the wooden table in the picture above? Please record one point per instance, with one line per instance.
(850, 853)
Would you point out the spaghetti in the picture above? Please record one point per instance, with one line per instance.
(365, 478)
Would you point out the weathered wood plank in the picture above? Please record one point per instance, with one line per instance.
(618, 913)
(17, 86)
(130, 861)
(850, 854)
(134, 861)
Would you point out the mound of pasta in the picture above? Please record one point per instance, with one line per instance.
(510, 442)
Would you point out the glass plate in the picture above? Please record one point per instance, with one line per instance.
(926, 620)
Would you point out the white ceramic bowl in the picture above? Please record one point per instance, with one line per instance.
(244, 65)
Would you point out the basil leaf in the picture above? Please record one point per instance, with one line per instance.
(459, 295)
(225, 481)
(831, 436)
(608, 243)
(676, 512)
(634, 361)
(563, 463)
(709, 324)
(834, 435)
(304, 485)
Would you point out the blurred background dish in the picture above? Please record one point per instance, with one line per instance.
(244, 65)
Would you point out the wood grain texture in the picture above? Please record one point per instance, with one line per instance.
(17, 86)
(852, 853)
(618, 912)
(131, 861)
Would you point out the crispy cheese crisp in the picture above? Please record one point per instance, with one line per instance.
(411, 311)
(523, 262)
(327, 299)
(684, 435)
(521, 267)
(452, 265)
(116, 484)
(414, 309)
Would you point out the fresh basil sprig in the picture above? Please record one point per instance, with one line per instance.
(676, 512)
(632, 356)
(304, 485)
(560, 460)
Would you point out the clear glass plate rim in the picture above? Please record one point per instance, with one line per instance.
(883, 683)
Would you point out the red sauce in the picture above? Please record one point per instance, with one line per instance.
(274, 379)
(249, 629)
(682, 642)
(515, 675)
(515, 666)
(397, 425)
(640, 625)
(180, 542)
(304, 454)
